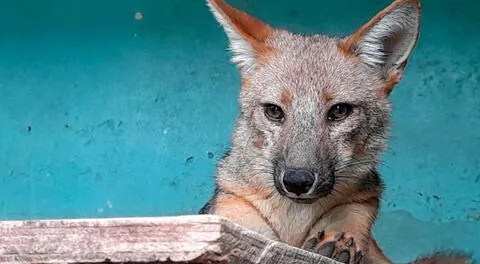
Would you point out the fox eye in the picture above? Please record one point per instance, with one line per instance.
(273, 112)
(339, 112)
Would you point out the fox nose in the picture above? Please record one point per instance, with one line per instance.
(298, 181)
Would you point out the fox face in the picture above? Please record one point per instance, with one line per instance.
(315, 109)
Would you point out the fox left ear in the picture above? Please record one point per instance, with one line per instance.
(387, 40)
(247, 35)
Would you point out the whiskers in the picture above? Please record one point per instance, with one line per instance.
(349, 171)
(351, 163)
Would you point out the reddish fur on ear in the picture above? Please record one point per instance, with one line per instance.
(248, 26)
(347, 47)
(253, 31)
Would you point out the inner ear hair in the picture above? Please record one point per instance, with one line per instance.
(387, 40)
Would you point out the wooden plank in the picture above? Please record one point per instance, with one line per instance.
(181, 239)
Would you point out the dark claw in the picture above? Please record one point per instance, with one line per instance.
(321, 235)
(343, 257)
(327, 249)
(358, 257)
(349, 242)
(311, 244)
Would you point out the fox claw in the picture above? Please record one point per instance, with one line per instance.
(338, 246)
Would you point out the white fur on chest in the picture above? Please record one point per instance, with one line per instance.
(291, 221)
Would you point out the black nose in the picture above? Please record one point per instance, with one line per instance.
(298, 181)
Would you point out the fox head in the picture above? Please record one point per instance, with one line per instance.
(314, 108)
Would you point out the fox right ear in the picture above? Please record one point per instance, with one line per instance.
(387, 40)
(247, 35)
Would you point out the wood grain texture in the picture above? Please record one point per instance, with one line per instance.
(181, 239)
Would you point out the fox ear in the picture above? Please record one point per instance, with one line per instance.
(247, 35)
(387, 40)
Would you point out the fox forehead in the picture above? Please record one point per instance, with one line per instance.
(310, 68)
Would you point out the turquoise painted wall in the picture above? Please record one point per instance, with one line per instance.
(102, 115)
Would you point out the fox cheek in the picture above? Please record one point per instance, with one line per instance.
(259, 140)
(358, 150)
(343, 152)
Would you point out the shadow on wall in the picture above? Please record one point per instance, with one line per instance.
(122, 108)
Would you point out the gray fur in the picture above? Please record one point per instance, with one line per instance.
(309, 66)
(318, 72)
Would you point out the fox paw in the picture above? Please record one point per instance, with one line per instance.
(338, 246)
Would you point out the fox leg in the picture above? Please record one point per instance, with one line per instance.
(340, 246)
(343, 233)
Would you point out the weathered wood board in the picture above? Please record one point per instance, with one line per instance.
(181, 239)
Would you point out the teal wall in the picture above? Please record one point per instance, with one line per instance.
(102, 115)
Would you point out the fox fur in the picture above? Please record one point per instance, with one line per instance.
(307, 78)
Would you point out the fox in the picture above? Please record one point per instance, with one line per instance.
(314, 118)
